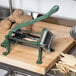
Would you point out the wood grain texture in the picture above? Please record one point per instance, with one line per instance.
(25, 57)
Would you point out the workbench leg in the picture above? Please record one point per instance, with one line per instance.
(39, 60)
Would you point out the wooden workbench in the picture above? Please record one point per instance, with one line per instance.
(25, 57)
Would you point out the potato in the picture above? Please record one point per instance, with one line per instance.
(24, 18)
(11, 18)
(18, 12)
(5, 24)
(15, 14)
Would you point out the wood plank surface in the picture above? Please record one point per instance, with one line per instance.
(25, 57)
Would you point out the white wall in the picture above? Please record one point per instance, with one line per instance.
(67, 7)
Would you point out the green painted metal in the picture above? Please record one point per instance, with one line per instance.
(6, 42)
(53, 10)
(39, 60)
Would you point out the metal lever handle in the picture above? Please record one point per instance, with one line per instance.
(53, 10)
